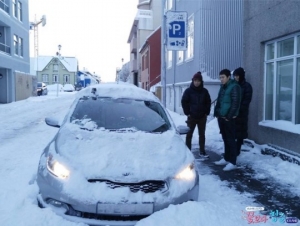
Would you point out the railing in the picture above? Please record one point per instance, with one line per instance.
(4, 48)
(212, 109)
(4, 6)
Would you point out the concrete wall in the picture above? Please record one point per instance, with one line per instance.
(264, 21)
(26, 86)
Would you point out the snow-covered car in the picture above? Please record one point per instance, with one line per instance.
(116, 158)
(68, 88)
(41, 89)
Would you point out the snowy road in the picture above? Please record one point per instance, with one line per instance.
(23, 135)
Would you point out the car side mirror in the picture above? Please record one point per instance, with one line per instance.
(183, 129)
(52, 122)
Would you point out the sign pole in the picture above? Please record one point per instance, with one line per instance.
(163, 52)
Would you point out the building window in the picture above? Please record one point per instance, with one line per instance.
(169, 59)
(282, 80)
(45, 78)
(17, 9)
(55, 67)
(55, 78)
(179, 57)
(66, 79)
(14, 8)
(190, 44)
(21, 46)
(20, 11)
(169, 4)
(16, 44)
(4, 5)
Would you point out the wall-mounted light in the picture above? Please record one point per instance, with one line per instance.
(0, 34)
(1, 76)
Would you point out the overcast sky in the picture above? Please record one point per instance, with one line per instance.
(93, 31)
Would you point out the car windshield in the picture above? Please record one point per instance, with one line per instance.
(39, 84)
(120, 115)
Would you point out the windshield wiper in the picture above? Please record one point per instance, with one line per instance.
(160, 129)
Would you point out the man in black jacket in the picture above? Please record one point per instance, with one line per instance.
(196, 104)
(242, 118)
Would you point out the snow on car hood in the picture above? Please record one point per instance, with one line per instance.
(126, 156)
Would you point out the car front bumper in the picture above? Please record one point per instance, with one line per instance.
(87, 212)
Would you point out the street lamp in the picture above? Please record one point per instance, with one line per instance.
(58, 62)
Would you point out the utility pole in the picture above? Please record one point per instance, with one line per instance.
(58, 63)
(34, 25)
(163, 53)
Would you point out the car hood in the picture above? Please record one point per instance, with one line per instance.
(123, 156)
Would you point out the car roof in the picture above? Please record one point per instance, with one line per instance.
(118, 90)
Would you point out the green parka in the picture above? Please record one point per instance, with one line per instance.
(228, 102)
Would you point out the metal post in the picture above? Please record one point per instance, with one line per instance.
(174, 56)
(57, 60)
(163, 52)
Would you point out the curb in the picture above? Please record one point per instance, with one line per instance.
(275, 151)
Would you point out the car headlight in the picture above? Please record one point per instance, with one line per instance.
(187, 173)
(56, 168)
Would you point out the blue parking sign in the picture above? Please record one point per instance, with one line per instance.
(176, 23)
(177, 29)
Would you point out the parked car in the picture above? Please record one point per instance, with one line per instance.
(116, 158)
(78, 86)
(68, 88)
(41, 89)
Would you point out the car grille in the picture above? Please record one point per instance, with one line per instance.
(150, 186)
(95, 216)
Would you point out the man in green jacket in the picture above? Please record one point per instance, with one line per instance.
(226, 110)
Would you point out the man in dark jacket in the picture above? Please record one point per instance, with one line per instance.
(242, 118)
(226, 110)
(196, 104)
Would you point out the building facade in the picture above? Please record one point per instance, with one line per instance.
(52, 70)
(147, 20)
(14, 46)
(214, 42)
(151, 60)
(272, 64)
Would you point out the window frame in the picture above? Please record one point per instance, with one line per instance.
(45, 78)
(19, 11)
(66, 77)
(53, 78)
(189, 53)
(16, 45)
(21, 46)
(276, 83)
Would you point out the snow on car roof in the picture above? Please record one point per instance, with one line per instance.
(118, 90)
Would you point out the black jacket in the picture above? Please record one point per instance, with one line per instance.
(196, 101)
(242, 119)
(246, 98)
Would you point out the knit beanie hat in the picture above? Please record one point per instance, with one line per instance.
(197, 76)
